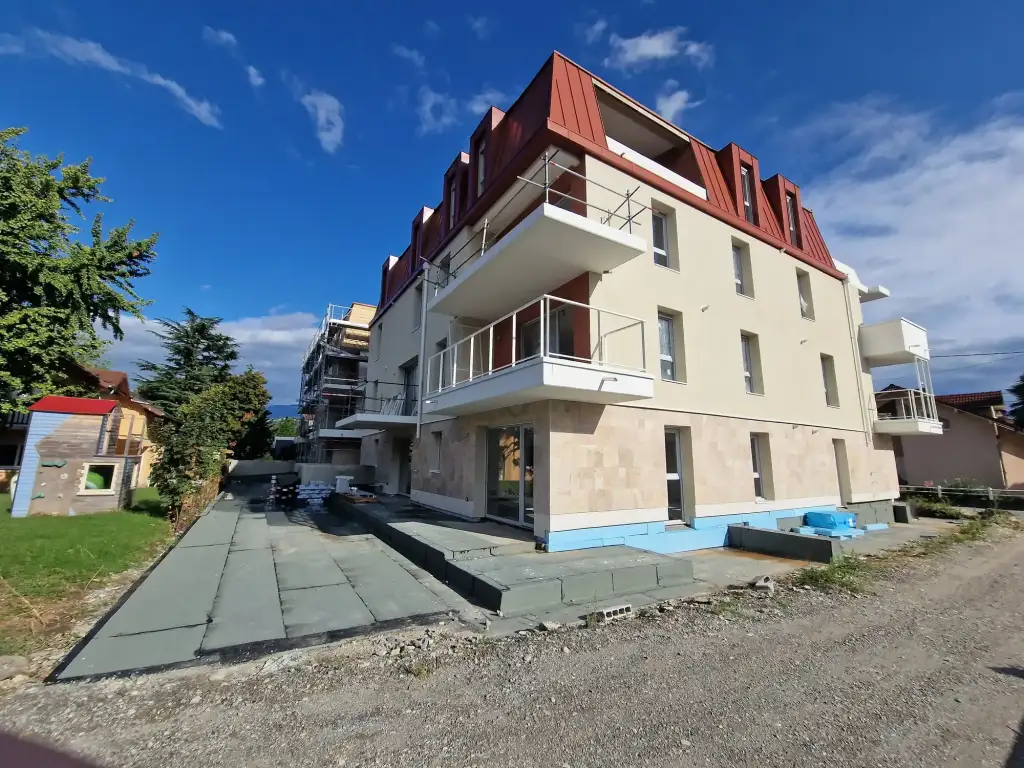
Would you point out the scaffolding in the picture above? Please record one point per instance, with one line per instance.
(331, 381)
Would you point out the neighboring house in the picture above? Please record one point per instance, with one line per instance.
(138, 417)
(608, 332)
(333, 374)
(110, 385)
(978, 443)
(74, 460)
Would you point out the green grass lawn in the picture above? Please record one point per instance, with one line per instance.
(48, 561)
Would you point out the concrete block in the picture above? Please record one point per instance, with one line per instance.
(527, 596)
(675, 572)
(586, 587)
(796, 546)
(788, 523)
(640, 578)
(903, 512)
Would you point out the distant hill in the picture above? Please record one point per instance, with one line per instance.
(283, 411)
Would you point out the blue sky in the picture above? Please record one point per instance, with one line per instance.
(283, 153)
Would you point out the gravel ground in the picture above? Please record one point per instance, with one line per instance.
(927, 670)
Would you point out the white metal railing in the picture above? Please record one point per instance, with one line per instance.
(623, 216)
(904, 404)
(547, 327)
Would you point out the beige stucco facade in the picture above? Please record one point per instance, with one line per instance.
(605, 465)
(970, 448)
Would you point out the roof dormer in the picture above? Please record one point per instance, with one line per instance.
(784, 198)
(454, 202)
(481, 153)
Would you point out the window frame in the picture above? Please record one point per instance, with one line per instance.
(803, 279)
(747, 194)
(481, 166)
(793, 215)
(83, 491)
(750, 354)
(673, 354)
(453, 191)
(829, 380)
(742, 270)
(757, 466)
(660, 217)
(417, 305)
(379, 338)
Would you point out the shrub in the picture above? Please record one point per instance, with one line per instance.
(935, 508)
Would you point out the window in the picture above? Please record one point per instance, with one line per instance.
(417, 306)
(748, 192)
(451, 204)
(673, 474)
(791, 214)
(669, 347)
(481, 166)
(98, 478)
(659, 230)
(378, 339)
(803, 288)
(828, 375)
(10, 455)
(434, 459)
(444, 268)
(760, 459)
(741, 269)
(751, 363)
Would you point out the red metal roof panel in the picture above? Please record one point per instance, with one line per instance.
(79, 405)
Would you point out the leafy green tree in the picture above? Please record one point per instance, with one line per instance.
(231, 415)
(197, 357)
(56, 287)
(1017, 409)
(286, 427)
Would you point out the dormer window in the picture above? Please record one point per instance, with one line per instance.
(451, 204)
(746, 185)
(791, 215)
(481, 166)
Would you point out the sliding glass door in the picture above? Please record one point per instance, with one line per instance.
(510, 474)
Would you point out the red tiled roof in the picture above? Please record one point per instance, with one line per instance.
(971, 398)
(80, 405)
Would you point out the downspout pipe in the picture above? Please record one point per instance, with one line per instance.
(422, 367)
(858, 361)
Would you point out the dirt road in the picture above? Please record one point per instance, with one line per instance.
(926, 671)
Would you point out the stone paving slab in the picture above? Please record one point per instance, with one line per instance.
(248, 607)
(215, 527)
(323, 609)
(250, 533)
(180, 592)
(305, 569)
(105, 655)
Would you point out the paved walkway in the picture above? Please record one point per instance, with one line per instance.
(244, 578)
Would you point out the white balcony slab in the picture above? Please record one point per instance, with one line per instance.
(375, 421)
(545, 250)
(893, 342)
(906, 427)
(325, 432)
(539, 379)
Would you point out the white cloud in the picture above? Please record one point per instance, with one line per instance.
(634, 53)
(92, 54)
(255, 78)
(431, 29)
(591, 33)
(482, 26)
(409, 54)
(220, 37)
(273, 344)
(932, 213)
(437, 111)
(672, 101)
(326, 112)
(487, 98)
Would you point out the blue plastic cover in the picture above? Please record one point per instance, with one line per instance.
(830, 520)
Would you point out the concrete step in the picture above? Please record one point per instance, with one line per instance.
(500, 568)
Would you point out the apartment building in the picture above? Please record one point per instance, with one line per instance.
(333, 373)
(608, 332)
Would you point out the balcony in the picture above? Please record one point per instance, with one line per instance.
(537, 238)
(549, 349)
(906, 412)
(894, 342)
(14, 420)
(381, 405)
